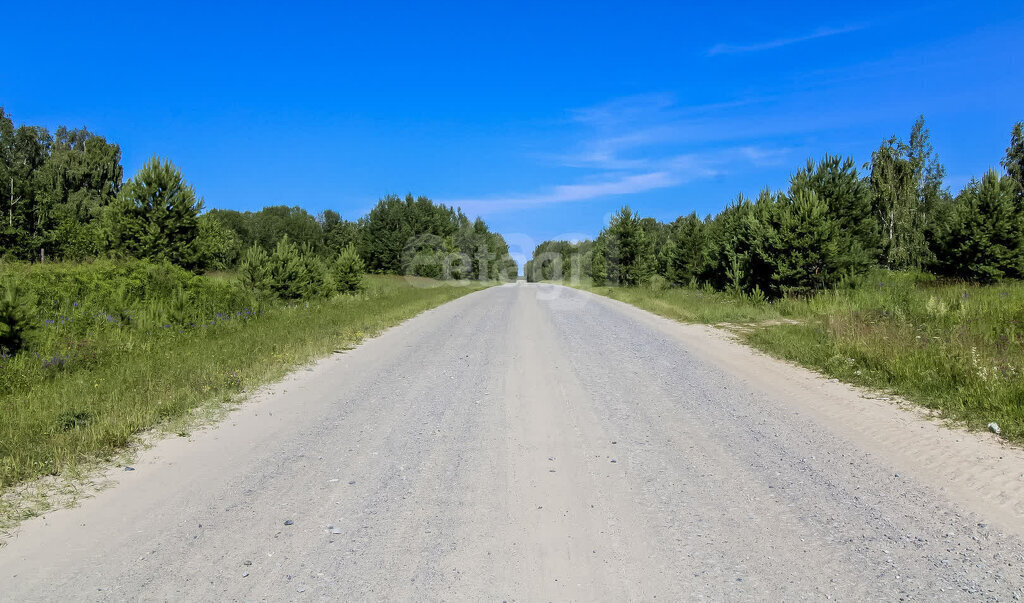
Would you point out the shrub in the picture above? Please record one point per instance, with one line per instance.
(255, 269)
(16, 319)
(348, 270)
(287, 270)
(217, 246)
(657, 283)
(178, 308)
(316, 278)
(598, 267)
(288, 273)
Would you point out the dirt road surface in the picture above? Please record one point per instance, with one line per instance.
(532, 442)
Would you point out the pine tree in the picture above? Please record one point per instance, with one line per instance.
(255, 269)
(348, 270)
(316, 277)
(598, 266)
(1013, 162)
(984, 240)
(155, 216)
(834, 180)
(286, 270)
(217, 246)
(17, 320)
(727, 240)
(795, 245)
(629, 252)
(685, 250)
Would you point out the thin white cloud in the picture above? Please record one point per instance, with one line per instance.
(824, 32)
(624, 110)
(634, 145)
(564, 193)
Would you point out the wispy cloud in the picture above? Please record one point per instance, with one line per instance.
(824, 32)
(563, 193)
(634, 145)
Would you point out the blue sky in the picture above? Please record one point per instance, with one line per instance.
(542, 117)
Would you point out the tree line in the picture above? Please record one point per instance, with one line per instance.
(832, 223)
(64, 197)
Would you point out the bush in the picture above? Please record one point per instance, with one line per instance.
(348, 270)
(217, 246)
(16, 319)
(138, 294)
(255, 269)
(289, 273)
(316, 278)
(598, 267)
(657, 283)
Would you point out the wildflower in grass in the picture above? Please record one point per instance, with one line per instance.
(56, 362)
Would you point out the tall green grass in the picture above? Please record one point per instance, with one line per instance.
(954, 347)
(120, 348)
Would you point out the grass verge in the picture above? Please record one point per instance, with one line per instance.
(955, 348)
(92, 386)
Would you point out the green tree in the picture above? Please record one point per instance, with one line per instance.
(79, 179)
(685, 250)
(286, 272)
(984, 237)
(835, 181)
(348, 270)
(629, 252)
(928, 172)
(1013, 162)
(17, 320)
(893, 182)
(908, 194)
(598, 267)
(795, 243)
(270, 224)
(658, 234)
(315, 280)
(254, 269)
(155, 216)
(23, 150)
(217, 246)
(728, 244)
(338, 233)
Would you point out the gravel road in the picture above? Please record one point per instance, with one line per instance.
(532, 442)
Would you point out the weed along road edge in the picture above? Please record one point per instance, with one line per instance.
(539, 442)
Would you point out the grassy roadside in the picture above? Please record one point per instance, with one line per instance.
(952, 347)
(96, 385)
